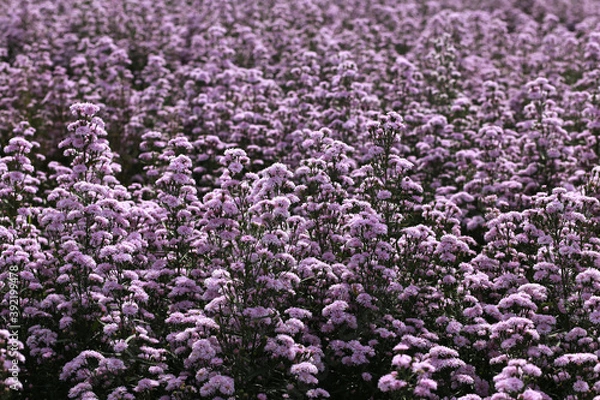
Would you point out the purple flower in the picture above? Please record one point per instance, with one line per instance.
(202, 349)
(389, 383)
(509, 384)
(317, 393)
(304, 372)
(581, 386)
(130, 308)
(84, 109)
(146, 384)
(120, 346)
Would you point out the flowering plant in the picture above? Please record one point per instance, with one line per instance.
(300, 200)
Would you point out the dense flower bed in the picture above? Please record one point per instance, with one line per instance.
(300, 199)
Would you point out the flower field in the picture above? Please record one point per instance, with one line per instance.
(300, 199)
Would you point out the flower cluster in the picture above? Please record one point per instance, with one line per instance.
(300, 200)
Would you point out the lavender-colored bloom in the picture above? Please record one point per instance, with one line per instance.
(305, 372)
(509, 384)
(146, 384)
(317, 393)
(130, 308)
(388, 383)
(581, 386)
(84, 109)
(267, 188)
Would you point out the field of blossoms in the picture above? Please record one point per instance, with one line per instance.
(300, 199)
